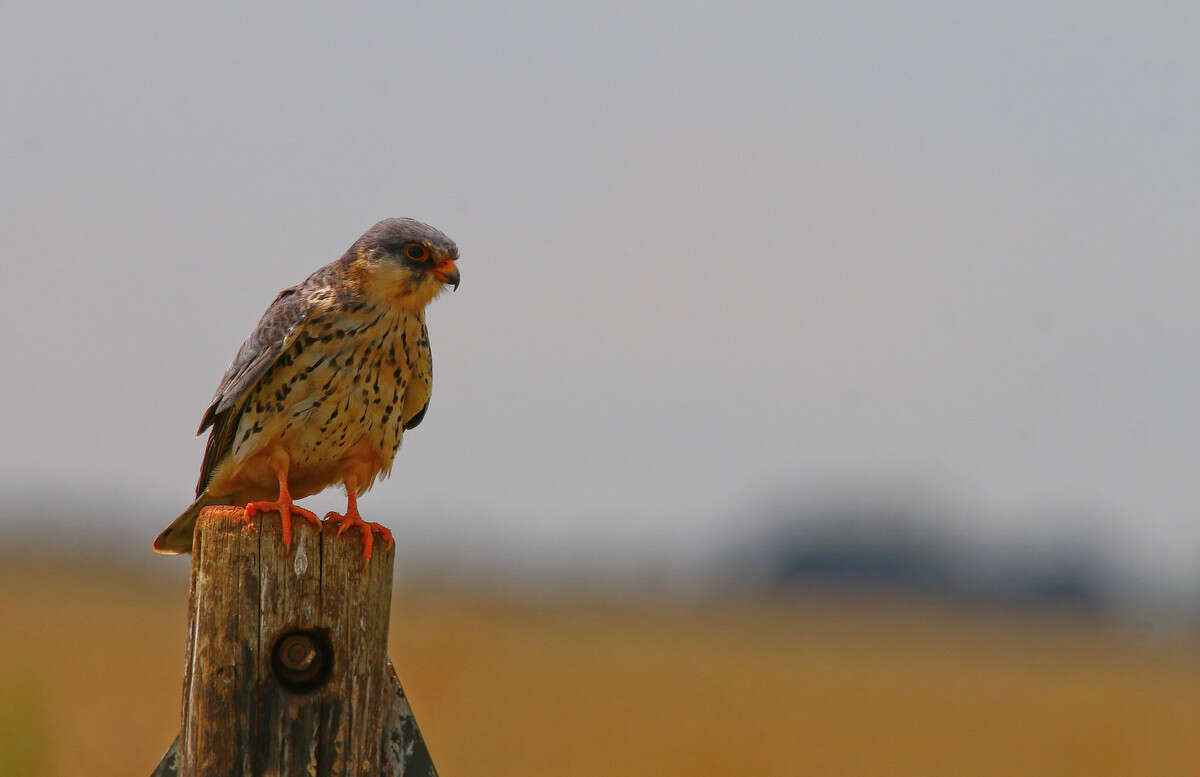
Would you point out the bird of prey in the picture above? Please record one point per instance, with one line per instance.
(322, 391)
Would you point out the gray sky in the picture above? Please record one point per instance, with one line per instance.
(708, 254)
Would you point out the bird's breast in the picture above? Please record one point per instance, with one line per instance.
(339, 392)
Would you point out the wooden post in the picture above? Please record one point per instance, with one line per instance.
(287, 671)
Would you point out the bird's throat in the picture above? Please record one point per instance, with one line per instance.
(389, 285)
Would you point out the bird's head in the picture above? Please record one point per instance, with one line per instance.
(404, 262)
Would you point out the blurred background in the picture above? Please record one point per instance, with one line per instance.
(819, 398)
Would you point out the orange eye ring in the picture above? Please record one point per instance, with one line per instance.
(417, 252)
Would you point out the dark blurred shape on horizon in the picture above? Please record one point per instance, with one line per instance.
(885, 547)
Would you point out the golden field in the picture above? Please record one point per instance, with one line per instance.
(91, 662)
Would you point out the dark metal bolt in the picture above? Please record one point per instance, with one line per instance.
(297, 652)
(302, 660)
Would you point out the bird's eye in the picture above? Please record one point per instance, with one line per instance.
(417, 252)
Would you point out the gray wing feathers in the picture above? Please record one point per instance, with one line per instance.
(259, 352)
(276, 330)
(420, 387)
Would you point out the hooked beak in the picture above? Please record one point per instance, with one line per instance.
(447, 272)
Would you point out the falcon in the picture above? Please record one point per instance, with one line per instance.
(322, 391)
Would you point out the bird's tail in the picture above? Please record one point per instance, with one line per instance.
(177, 538)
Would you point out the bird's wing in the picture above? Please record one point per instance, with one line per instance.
(420, 387)
(280, 325)
(416, 420)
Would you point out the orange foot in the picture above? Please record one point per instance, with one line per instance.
(366, 530)
(286, 509)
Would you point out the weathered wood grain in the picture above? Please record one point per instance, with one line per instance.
(404, 750)
(262, 623)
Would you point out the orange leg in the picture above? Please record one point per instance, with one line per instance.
(283, 505)
(352, 518)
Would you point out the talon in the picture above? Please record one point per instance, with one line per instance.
(248, 515)
(286, 510)
(282, 505)
(366, 530)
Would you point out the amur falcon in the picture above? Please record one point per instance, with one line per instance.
(323, 390)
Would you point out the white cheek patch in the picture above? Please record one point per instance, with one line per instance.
(390, 274)
(401, 287)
